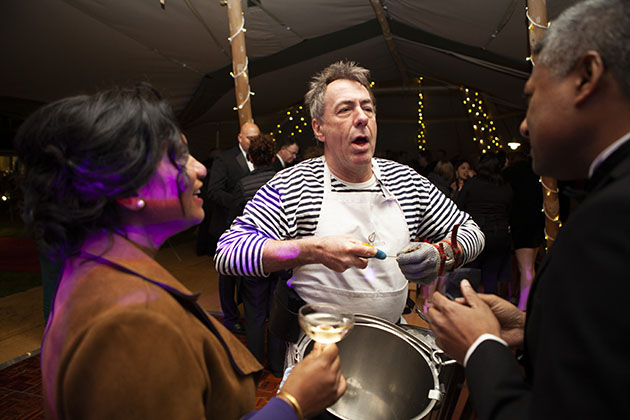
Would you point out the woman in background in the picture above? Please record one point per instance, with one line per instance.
(107, 179)
(526, 219)
(462, 173)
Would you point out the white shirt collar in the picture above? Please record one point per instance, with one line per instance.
(284, 165)
(249, 164)
(607, 152)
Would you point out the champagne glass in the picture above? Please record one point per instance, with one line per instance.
(324, 322)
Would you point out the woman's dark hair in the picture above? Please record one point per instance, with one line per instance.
(261, 150)
(81, 154)
(489, 168)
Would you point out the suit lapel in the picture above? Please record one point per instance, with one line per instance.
(241, 160)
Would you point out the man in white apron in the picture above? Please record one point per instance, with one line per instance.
(326, 217)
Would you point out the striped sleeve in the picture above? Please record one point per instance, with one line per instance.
(287, 207)
(430, 214)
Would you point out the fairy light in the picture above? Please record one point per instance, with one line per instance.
(484, 130)
(422, 139)
(548, 191)
(531, 27)
(293, 122)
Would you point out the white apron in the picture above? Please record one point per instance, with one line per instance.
(380, 289)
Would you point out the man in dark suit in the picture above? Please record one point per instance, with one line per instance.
(287, 152)
(575, 337)
(227, 169)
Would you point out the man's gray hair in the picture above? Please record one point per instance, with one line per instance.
(599, 25)
(349, 70)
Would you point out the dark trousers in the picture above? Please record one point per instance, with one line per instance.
(495, 260)
(257, 294)
(227, 291)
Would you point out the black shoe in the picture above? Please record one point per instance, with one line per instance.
(237, 328)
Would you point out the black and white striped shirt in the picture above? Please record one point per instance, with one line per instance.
(288, 207)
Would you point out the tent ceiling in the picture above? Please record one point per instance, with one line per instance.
(57, 48)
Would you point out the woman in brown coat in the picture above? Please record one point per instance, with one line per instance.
(107, 179)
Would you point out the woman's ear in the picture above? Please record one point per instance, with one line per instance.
(132, 203)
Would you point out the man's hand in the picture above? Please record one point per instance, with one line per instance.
(316, 382)
(422, 262)
(456, 326)
(337, 252)
(341, 252)
(511, 319)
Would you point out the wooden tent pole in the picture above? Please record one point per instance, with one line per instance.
(239, 61)
(389, 39)
(537, 24)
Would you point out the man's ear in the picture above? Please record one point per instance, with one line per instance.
(132, 203)
(317, 129)
(590, 72)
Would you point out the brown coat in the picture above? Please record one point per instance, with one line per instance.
(119, 346)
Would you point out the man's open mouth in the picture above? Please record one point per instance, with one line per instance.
(360, 141)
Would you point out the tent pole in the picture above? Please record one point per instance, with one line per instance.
(537, 24)
(389, 40)
(239, 61)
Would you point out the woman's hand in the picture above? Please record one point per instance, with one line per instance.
(316, 382)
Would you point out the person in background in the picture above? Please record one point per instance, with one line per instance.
(325, 217)
(488, 199)
(227, 169)
(288, 150)
(257, 292)
(527, 221)
(462, 173)
(442, 176)
(107, 179)
(574, 335)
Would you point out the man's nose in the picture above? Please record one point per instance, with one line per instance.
(524, 129)
(361, 118)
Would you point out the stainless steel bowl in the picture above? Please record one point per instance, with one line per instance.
(391, 375)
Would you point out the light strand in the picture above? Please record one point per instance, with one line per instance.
(294, 123)
(482, 123)
(422, 140)
(240, 29)
(532, 23)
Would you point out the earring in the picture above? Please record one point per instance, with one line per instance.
(140, 204)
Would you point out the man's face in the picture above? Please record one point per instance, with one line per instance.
(289, 153)
(550, 123)
(348, 130)
(248, 132)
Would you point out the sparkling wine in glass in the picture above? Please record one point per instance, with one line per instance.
(324, 322)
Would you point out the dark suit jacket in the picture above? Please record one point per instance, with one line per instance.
(247, 187)
(577, 335)
(277, 165)
(227, 169)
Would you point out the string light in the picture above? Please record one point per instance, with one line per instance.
(294, 121)
(484, 130)
(422, 140)
(243, 72)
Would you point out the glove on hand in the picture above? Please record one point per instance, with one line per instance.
(423, 262)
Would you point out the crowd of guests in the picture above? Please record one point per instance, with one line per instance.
(503, 195)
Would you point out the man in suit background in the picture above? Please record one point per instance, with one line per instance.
(575, 335)
(227, 169)
(287, 152)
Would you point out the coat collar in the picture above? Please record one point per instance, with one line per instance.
(615, 166)
(115, 250)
